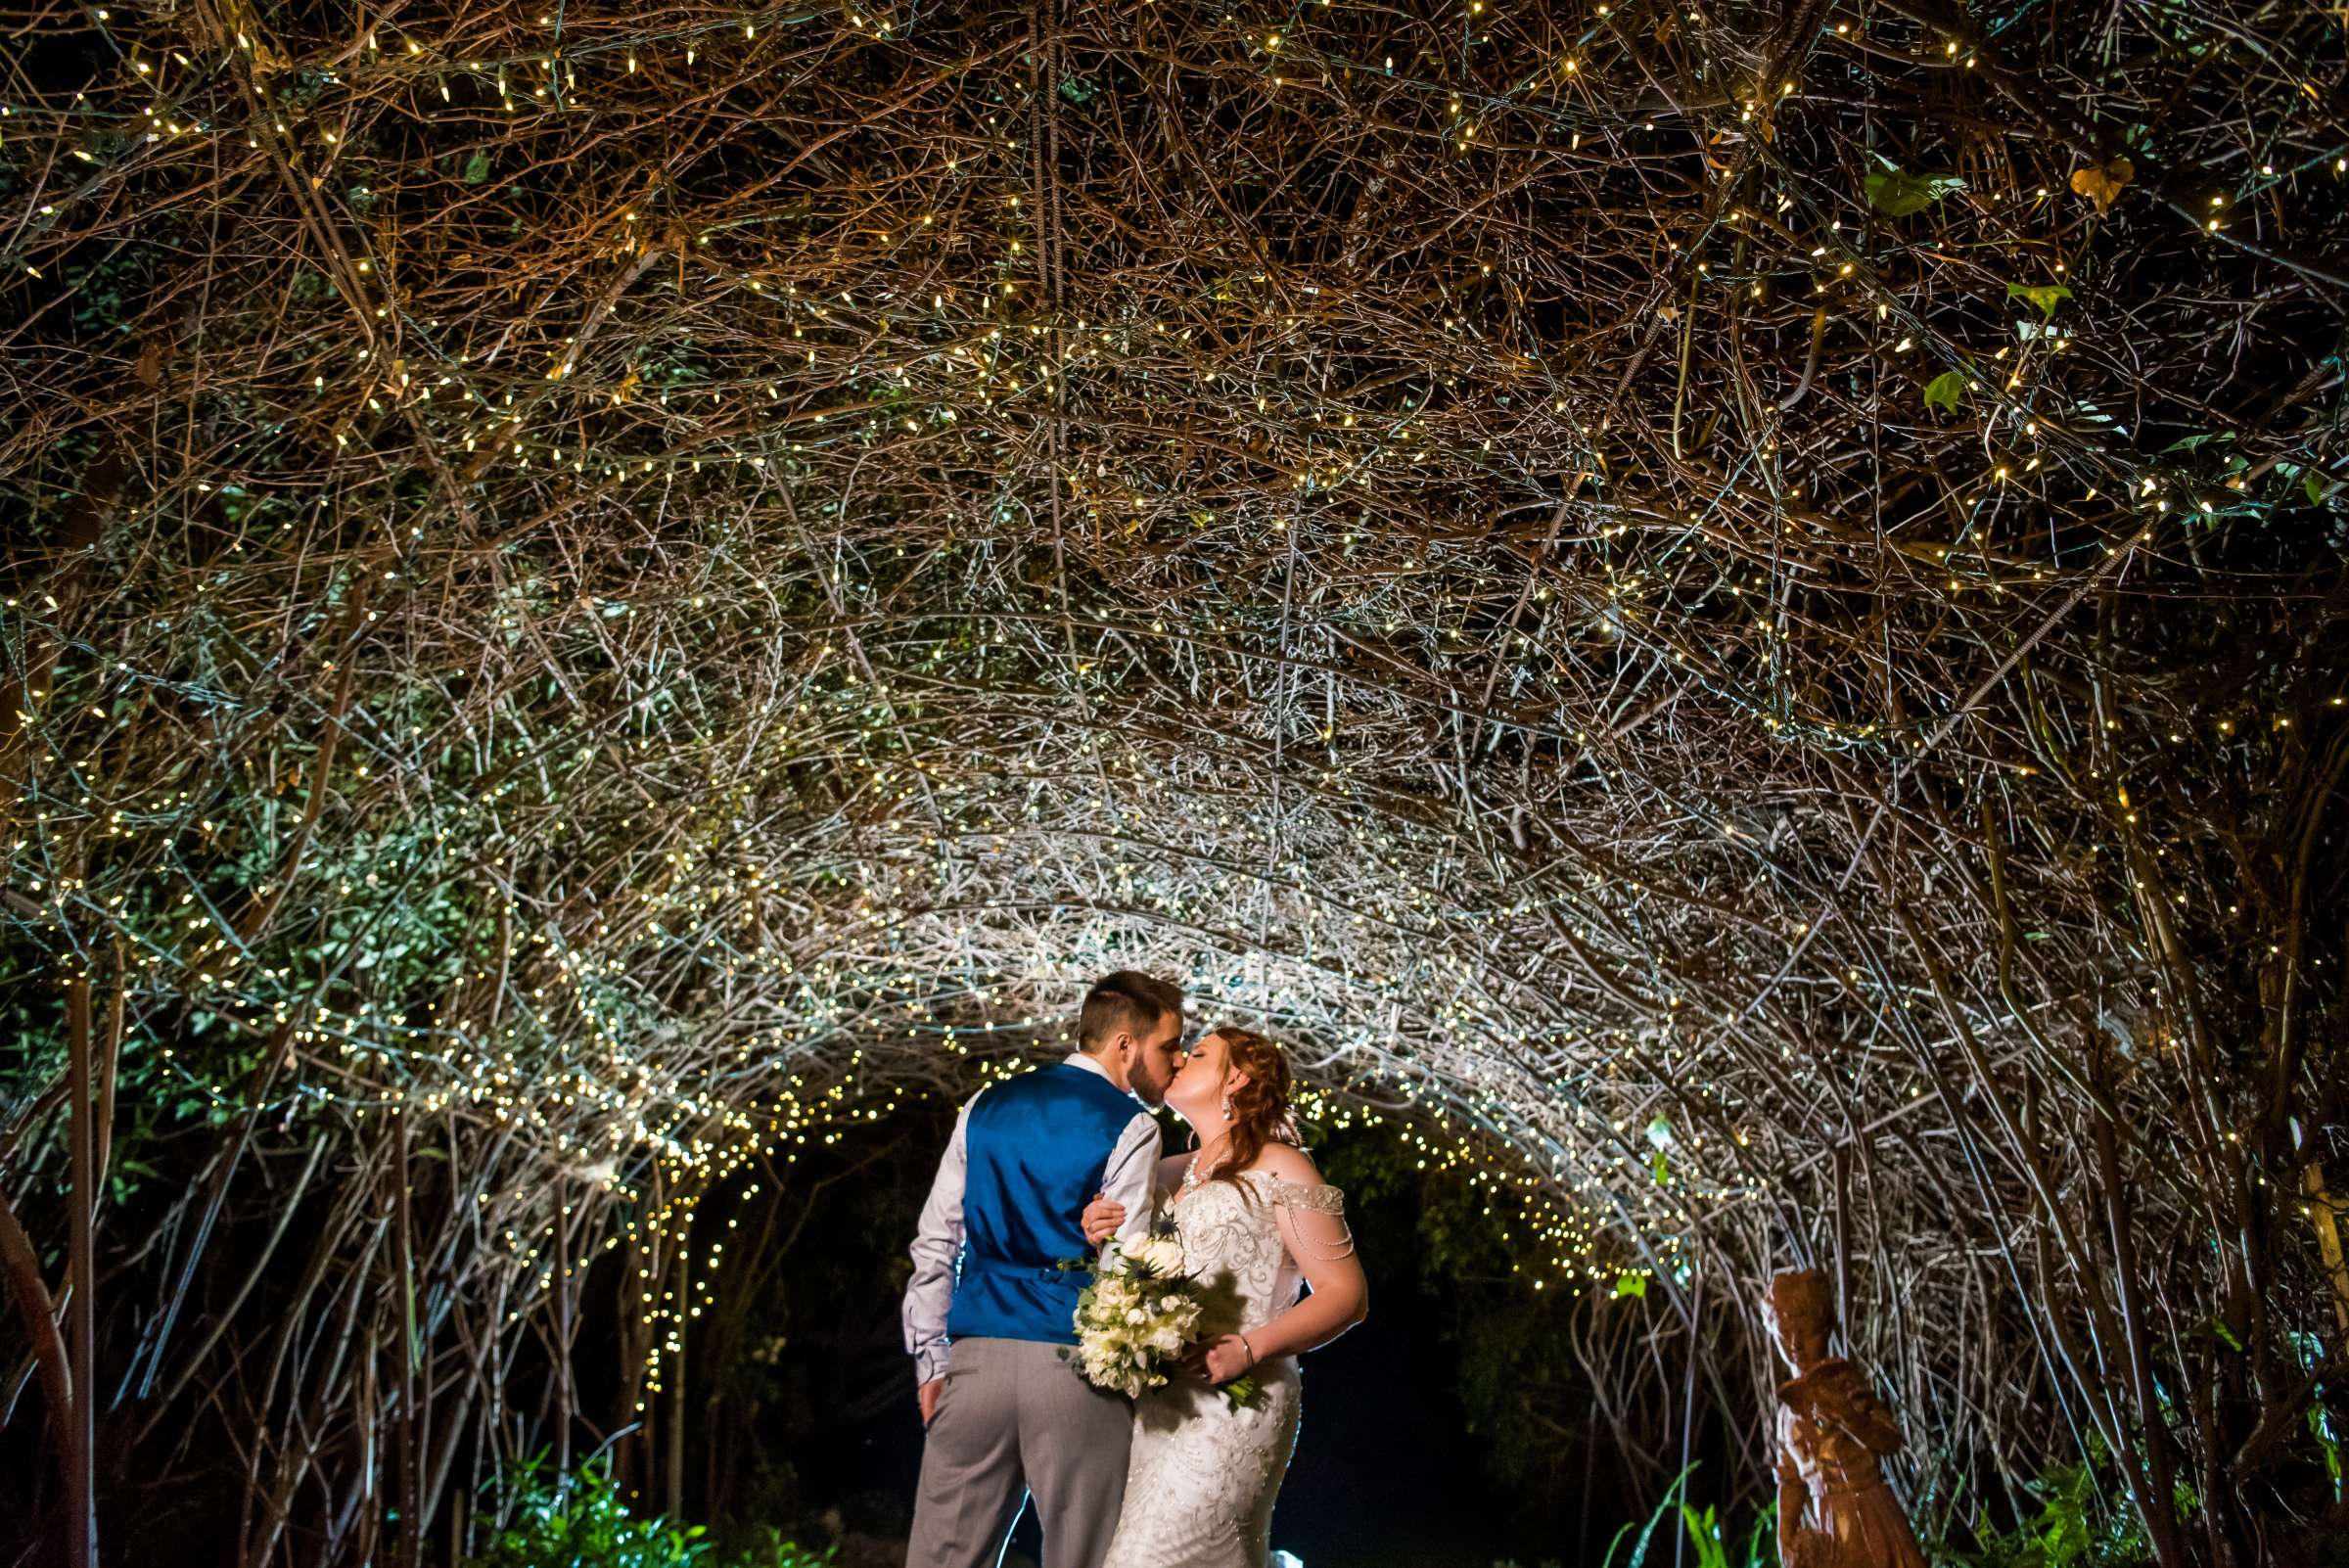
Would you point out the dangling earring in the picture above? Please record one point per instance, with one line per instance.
(1226, 1107)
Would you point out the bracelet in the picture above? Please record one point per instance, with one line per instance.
(1249, 1349)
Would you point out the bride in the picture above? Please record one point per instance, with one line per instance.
(1258, 1225)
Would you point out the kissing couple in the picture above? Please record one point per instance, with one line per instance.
(1043, 1170)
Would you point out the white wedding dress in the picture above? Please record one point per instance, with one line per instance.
(1201, 1476)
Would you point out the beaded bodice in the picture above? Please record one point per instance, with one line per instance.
(1232, 1241)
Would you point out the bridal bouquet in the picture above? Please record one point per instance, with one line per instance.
(1138, 1316)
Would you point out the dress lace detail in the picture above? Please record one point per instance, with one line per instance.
(1201, 1476)
(1320, 1198)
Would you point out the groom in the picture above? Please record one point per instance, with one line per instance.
(1013, 1414)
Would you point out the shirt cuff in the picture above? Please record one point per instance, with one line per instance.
(930, 1362)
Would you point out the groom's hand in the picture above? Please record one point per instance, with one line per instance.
(927, 1398)
(1101, 1218)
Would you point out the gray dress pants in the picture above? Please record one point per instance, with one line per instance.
(1013, 1418)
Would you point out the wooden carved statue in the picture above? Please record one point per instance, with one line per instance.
(1834, 1510)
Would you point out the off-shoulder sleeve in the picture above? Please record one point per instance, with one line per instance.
(1312, 1219)
(1317, 1197)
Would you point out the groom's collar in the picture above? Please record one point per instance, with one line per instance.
(1092, 1065)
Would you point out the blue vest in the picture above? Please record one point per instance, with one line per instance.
(1036, 1149)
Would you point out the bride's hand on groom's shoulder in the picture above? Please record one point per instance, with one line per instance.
(1101, 1219)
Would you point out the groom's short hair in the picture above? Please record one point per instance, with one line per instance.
(1128, 1000)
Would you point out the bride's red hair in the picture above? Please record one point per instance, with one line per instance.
(1260, 1107)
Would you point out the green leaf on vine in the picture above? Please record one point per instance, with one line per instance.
(2216, 1327)
(1895, 193)
(2045, 296)
(1942, 389)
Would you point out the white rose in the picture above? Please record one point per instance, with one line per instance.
(1161, 1254)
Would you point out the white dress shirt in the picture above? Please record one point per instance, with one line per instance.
(1131, 1179)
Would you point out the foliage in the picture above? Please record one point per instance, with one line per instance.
(770, 1548)
(1895, 193)
(1942, 391)
(1708, 1536)
(2081, 1523)
(2045, 296)
(584, 1522)
(581, 1523)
